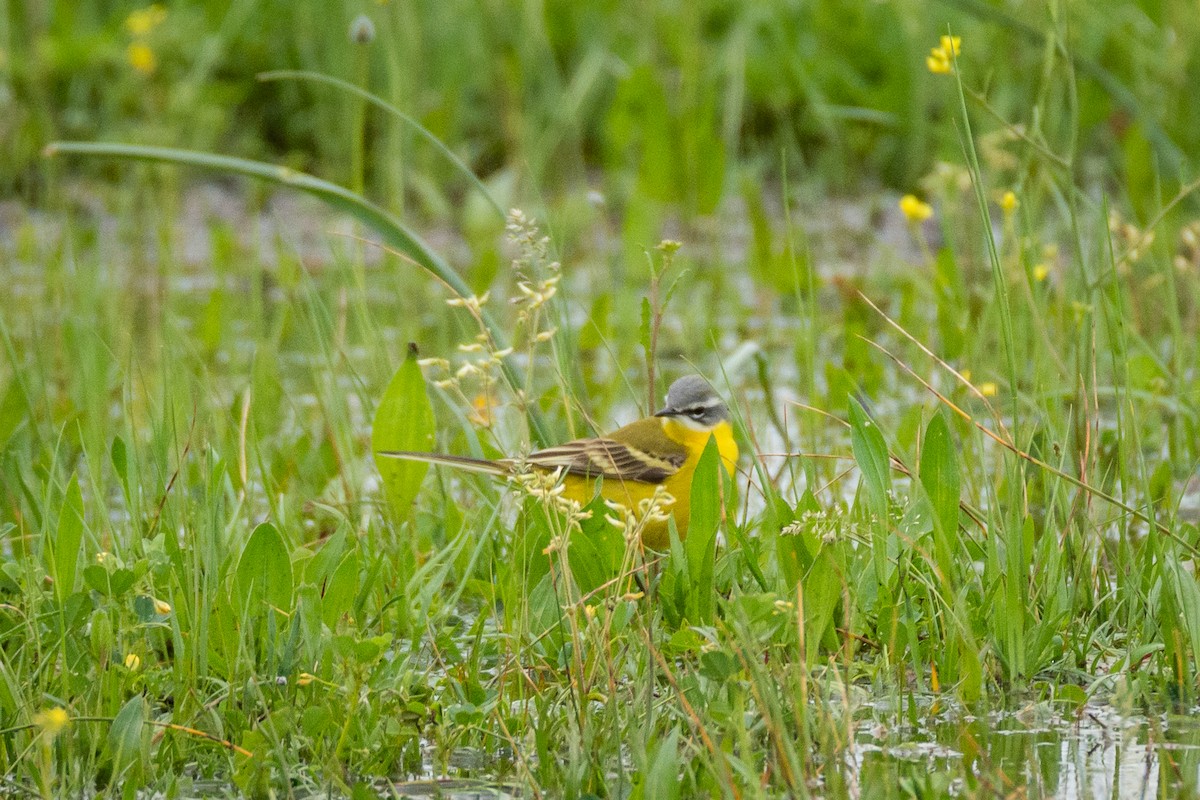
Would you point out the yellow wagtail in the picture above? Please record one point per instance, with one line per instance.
(662, 450)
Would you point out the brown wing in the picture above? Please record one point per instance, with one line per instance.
(638, 452)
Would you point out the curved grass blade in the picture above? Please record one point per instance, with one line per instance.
(392, 232)
(379, 102)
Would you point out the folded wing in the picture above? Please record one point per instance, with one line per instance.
(608, 458)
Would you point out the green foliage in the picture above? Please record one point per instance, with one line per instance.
(264, 574)
(662, 100)
(941, 480)
(208, 584)
(871, 455)
(688, 588)
(662, 777)
(63, 548)
(128, 742)
(700, 547)
(403, 421)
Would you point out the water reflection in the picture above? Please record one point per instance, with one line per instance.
(1033, 753)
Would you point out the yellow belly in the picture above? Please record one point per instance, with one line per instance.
(656, 534)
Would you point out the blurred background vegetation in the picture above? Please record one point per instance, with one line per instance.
(675, 102)
(188, 356)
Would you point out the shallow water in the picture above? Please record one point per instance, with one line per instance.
(1029, 751)
(1032, 750)
(1035, 751)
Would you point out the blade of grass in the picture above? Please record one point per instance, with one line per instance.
(390, 229)
(379, 102)
(1037, 462)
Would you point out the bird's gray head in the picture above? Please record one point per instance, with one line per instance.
(692, 401)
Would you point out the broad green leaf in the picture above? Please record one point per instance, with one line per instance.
(586, 564)
(264, 572)
(339, 591)
(251, 773)
(96, 578)
(403, 421)
(126, 742)
(597, 548)
(701, 542)
(969, 666)
(545, 613)
(940, 479)
(871, 455)
(822, 590)
(326, 560)
(1075, 696)
(661, 781)
(795, 550)
(369, 649)
(68, 539)
(718, 665)
(685, 640)
(940, 475)
(112, 584)
(315, 721)
(1187, 596)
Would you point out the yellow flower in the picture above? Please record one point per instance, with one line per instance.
(951, 45)
(940, 60)
(305, 678)
(914, 210)
(142, 58)
(133, 662)
(144, 20)
(988, 389)
(161, 607)
(1009, 203)
(483, 410)
(1040, 272)
(938, 63)
(52, 721)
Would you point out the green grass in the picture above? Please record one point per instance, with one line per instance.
(992, 418)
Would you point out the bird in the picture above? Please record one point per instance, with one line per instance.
(632, 461)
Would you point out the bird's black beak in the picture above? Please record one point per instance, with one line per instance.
(666, 412)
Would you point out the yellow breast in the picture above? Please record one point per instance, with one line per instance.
(656, 534)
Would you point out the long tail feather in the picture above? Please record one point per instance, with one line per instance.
(461, 462)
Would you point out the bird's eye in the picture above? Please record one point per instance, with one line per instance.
(695, 413)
